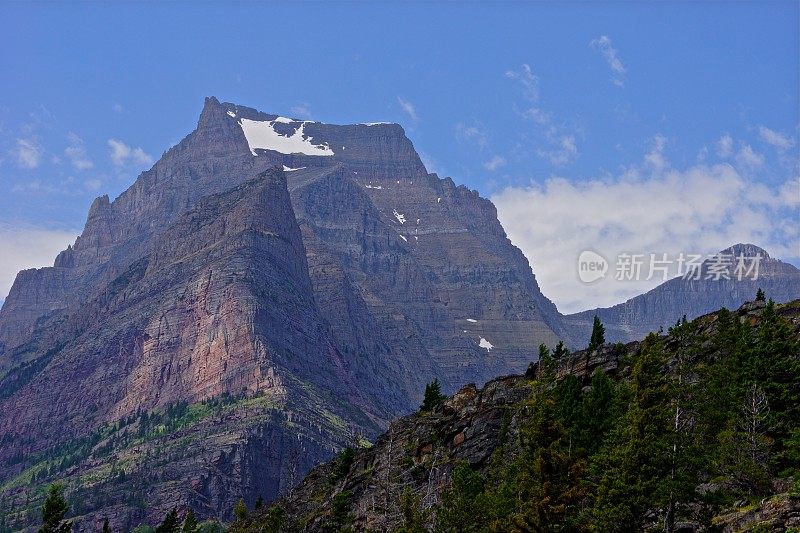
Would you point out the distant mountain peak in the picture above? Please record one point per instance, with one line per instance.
(745, 250)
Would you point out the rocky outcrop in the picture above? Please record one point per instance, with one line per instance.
(694, 296)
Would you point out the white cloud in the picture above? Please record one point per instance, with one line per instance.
(528, 80)
(408, 108)
(701, 209)
(93, 184)
(610, 54)
(117, 108)
(655, 157)
(121, 154)
(778, 140)
(748, 158)
(28, 248)
(536, 114)
(301, 111)
(494, 163)
(725, 146)
(76, 153)
(560, 142)
(564, 151)
(28, 153)
(472, 133)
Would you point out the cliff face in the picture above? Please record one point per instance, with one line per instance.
(295, 310)
(663, 306)
(221, 307)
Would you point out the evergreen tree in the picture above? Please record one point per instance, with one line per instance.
(240, 512)
(460, 509)
(760, 296)
(549, 482)
(190, 524)
(259, 502)
(744, 448)
(546, 363)
(598, 334)
(433, 396)
(54, 510)
(560, 352)
(170, 523)
(274, 520)
(414, 518)
(106, 527)
(633, 471)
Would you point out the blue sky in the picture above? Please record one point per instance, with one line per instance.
(566, 104)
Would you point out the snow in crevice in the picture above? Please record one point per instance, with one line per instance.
(471, 320)
(370, 186)
(404, 238)
(438, 200)
(485, 344)
(401, 218)
(232, 114)
(261, 134)
(290, 169)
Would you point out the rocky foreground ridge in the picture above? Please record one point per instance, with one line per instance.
(405, 482)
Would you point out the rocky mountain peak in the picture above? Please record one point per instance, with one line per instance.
(745, 250)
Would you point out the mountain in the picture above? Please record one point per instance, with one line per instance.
(587, 443)
(697, 294)
(269, 292)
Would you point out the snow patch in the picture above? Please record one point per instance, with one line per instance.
(368, 186)
(261, 134)
(471, 320)
(485, 344)
(289, 169)
(232, 114)
(400, 217)
(404, 238)
(374, 123)
(438, 200)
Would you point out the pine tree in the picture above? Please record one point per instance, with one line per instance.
(459, 510)
(106, 527)
(598, 334)
(190, 524)
(560, 352)
(633, 471)
(414, 518)
(54, 510)
(259, 502)
(274, 519)
(549, 484)
(240, 512)
(433, 396)
(760, 296)
(170, 523)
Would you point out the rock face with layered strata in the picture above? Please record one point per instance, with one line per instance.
(263, 317)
